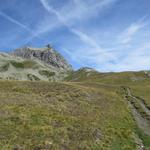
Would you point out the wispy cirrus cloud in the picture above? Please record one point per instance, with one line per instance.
(130, 31)
(82, 10)
(83, 36)
(98, 33)
(76, 14)
(9, 18)
(137, 59)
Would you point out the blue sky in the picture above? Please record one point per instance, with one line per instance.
(108, 35)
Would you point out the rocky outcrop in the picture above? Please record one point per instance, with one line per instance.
(47, 55)
(34, 64)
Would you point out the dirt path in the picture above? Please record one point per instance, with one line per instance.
(140, 101)
(142, 122)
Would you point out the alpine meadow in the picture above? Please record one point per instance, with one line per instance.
(88, 88)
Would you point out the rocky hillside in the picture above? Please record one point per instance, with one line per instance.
(92, 111)
(47, 55)
(33, 64)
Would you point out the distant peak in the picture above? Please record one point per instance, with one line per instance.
(46, 54)
(87, 69)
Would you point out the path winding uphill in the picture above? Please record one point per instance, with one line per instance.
(141, 103)
(140, 112)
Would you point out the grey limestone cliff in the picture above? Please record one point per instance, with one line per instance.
(34, 64)
(47, 55)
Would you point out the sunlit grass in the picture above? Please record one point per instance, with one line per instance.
(40, 115)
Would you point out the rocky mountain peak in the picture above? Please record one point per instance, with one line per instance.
(46, 54)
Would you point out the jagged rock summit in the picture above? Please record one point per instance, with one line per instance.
(47, 55)
(34, 64)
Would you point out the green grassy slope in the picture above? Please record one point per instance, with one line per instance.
(108, 78)
(138, 82)
(142, 90)
(40, 115)
(88, 112)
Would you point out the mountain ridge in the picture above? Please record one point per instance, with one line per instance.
(29, 63)
(46, 54)
(84, 109)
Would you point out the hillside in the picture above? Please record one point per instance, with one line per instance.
(33, 64)
(134, 88)
(91, 75)
(75, 115)
(42, 115)
(83, 110)
(46, 54)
